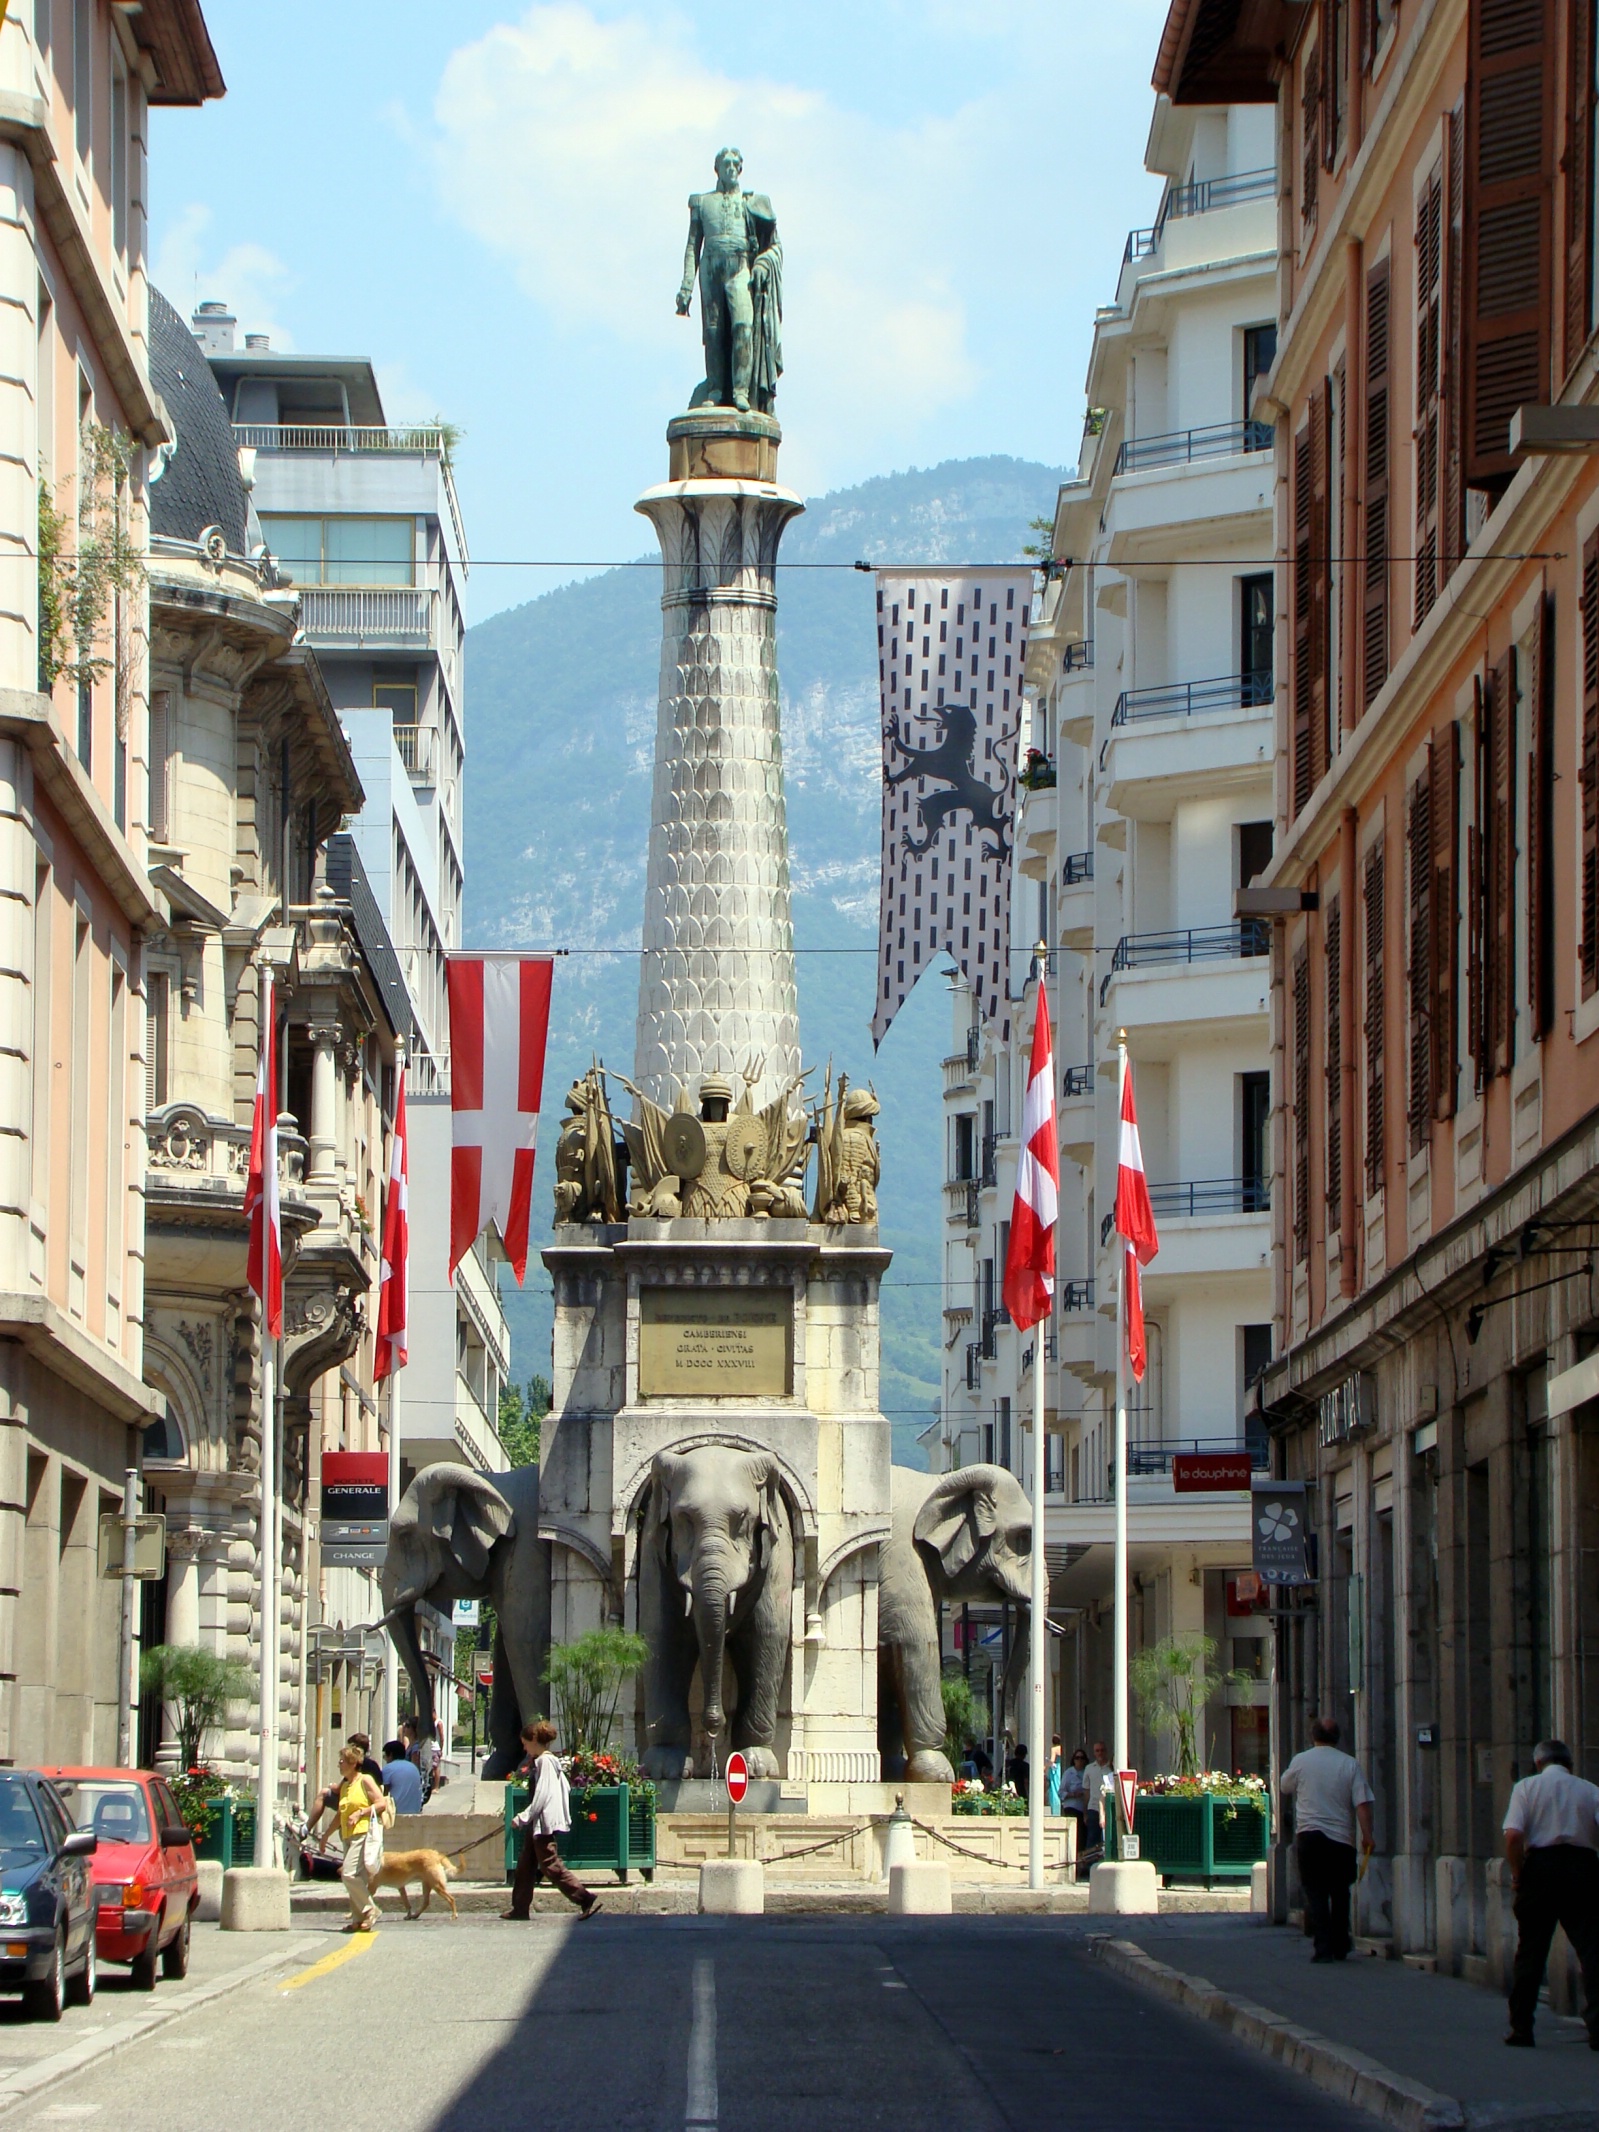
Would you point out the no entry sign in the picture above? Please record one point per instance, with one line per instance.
(738, 1778)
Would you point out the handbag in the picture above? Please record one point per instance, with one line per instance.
(372, 1848)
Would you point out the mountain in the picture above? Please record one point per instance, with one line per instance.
(561, 736)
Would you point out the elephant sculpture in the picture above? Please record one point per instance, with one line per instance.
(716, 1579)
(962, 1536)
(459, 1534)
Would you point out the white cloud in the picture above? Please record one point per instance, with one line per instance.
(251, 280)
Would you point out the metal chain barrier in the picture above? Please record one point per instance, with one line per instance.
(1010, 1864)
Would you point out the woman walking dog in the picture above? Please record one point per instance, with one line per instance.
(364, 1811)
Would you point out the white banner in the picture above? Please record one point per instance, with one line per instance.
(950, 652)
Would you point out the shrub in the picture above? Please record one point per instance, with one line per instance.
(199, 1684)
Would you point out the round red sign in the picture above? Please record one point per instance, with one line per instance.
(738, 1777)
(484, 1669)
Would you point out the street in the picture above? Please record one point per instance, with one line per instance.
(663, 2023)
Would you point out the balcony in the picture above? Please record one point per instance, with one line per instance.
(422, 441)
(1184, 447)
(1245, 938)
(1202, 196)
(974, 1047)
(1182, 699)
(960, 1201)
(416, 745)
(1147, 1454)
(1037, 773)
(1076, 658)
(990, 1171)
(993, 1318)
(1077, 1081)
(1077, 1295)
(957, 1073)
(1076, 868)
(354, 617)
(1210, 1195)
(974, 1366)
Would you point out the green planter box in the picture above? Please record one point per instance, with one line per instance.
(613, 1829)
(1205, 1838)
(231, 1837)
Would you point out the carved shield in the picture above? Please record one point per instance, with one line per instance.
(744, 1150)
(683, 1141)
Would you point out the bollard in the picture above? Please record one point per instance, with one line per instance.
(1123, 1887)
(732, 1887)
(921, 1889)
(899, 1838)
(255, 1899)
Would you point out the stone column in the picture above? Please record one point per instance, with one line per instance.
(324, 1121)
(716, 987)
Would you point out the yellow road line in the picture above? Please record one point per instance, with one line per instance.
(359, 1943)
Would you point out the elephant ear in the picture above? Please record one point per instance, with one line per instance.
(658, 1505)
(959, 1515)
(767, 1476)
(464, 1512)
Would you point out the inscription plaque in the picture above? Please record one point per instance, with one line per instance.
(715, 1343)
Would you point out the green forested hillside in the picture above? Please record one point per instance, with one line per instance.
(561, 727)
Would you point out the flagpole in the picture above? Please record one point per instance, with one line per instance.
(1038, 1740)
(391, 1668)
(266, 1772)
(1122, 1746)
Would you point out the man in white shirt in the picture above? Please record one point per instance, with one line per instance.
(1098, 1778)
(1551, 1834)
(1331, 1799)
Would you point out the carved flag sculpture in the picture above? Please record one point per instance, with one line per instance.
(394, 1274)
(950, 652)
(499, 1021)
(264, 1264)
(1030, 1262)
(1135, 1223)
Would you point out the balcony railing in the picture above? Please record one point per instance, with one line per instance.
(993, 1318)
(974, 1366)
(1077, 1295)
(1151, 1455)
(1179, 447)
(1075, 868)
(1210, 1195)
(974, 1046)
(424, 438)
(990, 1172)
(960, 1200)
(415, 743)
(1181, 699)
(1077, 1081)
(1199, 198)
(957, 1072)
(1076, 658)
(1244, 938)
(396, 613)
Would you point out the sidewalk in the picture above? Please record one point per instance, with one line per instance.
(1432, 2030)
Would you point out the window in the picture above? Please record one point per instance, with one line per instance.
(86, 726)
(1254, 851)
(1260, 352)
(1255, 601)
(160, 766)
(1254, 1111)
(965, 1146)
(43, 1064)
(82, 1052)
(41, 27)
(119, 159)
(1003, 1433)
(83, 75)
(343, 551)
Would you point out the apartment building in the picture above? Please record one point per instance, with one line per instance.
(1146, 799)
(1435, 957)
(80, 422)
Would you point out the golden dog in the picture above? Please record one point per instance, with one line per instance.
(432, 1868)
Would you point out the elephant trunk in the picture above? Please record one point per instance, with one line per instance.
(711, 1602)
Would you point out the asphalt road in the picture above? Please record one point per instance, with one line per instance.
(690, 2025)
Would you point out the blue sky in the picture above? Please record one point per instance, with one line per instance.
(490, 202)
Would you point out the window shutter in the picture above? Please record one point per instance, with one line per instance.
(1444, 764)
(1335, 1069)
(1376, 1148)
(1578, 162)
(1429, 303)
(157, 998)
(1476, 892)
(1310, 125)
(1321, 578)
(1509, 234)
(1339, 711)
(1418, 843)
(1452, 533)
(1541, 823)
(1588, 771)
(1304, 604)
(1501, 705)
(1301, 1106)
(1374, 631)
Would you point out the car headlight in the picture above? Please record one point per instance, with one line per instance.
(13, 1909)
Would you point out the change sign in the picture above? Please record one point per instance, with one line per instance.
(1277, 1514)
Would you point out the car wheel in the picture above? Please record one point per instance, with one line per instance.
(175, 1954)
(81, 1989)
(143, 1969)
(44, 1999)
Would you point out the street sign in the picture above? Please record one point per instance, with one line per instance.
(468, 1613)
(149, 1539)
(1127, 1849)
(483, 1667)
(1210, 1472)
(738, 1777)
(1127, 1793)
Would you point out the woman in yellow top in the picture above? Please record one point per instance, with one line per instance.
(363, 1813)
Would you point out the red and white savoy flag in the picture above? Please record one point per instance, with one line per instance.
(394, 1277)
(499, 1020)
(264, 1265)
(1030, 1262)
(1135, 1221)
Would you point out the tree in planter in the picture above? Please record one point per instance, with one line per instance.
(199, 1684)
(1173, 1682)
(585, 1680)
(962, 1718)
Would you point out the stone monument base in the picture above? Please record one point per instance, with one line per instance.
(720, 444)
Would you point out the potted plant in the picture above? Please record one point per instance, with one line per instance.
(197, 1686)
(1197, 1824)
(613, 1802)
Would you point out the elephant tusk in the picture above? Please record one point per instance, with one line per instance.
(688, 1604)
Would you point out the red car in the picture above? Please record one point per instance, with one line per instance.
(146, 1888)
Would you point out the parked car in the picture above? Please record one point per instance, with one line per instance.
(47, 1937)
(145, 1882)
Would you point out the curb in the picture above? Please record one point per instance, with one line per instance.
(28, 2080)
(1334, 2067)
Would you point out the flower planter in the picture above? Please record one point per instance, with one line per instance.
(231, 1836)
(1201, 1836)
(613, 1829)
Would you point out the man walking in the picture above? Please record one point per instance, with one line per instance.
(1098, 1778)
(1551, 1829)
(1330, 1796)
(546, 1815)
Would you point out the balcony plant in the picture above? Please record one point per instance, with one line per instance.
(1037, 773)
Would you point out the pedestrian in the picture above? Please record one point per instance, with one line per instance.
(1052, 1788)
(364, 1811)
(1097, 1777)
(968, 1768)
(1330, 1796)
(362, 1742)
(1074, 1791)
(401, 1779)
(546, 1815)
(1016, 1770)
(1551, 1831)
